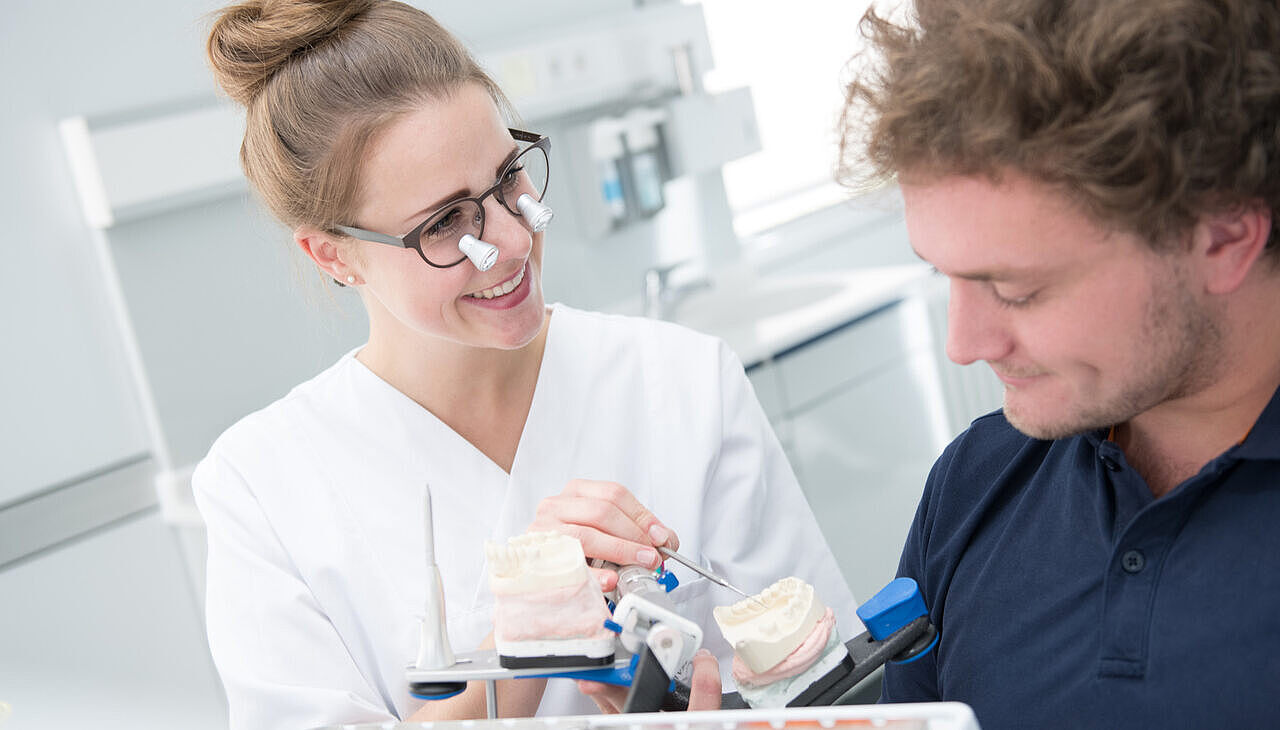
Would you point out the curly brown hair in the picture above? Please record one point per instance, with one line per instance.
(1147, 113)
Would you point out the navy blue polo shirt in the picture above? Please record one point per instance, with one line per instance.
(1068, 596)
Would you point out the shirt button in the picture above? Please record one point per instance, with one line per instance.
(1133, 561)
(1111, 463)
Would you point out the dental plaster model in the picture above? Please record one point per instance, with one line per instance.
(548, 610)
(784, 641)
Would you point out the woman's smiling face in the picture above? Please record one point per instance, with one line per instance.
(449, 148)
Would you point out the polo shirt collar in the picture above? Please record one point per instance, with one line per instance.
(1263, 441)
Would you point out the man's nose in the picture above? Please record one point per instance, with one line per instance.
(976, 329)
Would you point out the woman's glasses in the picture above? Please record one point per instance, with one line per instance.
(436, 238)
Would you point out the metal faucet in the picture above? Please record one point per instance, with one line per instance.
(659, 297)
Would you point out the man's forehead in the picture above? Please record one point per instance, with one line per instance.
(976, 228)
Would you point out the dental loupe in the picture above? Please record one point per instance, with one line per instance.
(538, 215)
(484, 254)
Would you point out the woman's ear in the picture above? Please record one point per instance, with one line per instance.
(322, 248)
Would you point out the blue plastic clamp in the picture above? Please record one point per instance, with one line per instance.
(892, 608)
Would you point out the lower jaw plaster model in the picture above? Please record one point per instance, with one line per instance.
(549, 611)
(784, 642)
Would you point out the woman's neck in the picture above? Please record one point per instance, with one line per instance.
(483, 394)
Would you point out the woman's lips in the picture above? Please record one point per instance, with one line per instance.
(520, 287)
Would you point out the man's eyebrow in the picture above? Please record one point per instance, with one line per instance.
(979, 274)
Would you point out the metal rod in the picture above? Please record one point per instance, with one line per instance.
(491, 698)
(673, 555)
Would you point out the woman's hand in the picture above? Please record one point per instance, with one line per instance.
(704, 687)
(610, 523)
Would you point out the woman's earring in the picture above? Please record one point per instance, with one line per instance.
(351, 279)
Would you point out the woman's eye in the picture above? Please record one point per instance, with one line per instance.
(512, 176)
(447, 221)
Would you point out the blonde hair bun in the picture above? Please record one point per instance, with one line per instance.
(250, 41)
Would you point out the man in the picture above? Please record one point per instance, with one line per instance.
(1100, 182)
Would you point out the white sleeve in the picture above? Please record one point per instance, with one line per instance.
(281, 660)
(759, 527)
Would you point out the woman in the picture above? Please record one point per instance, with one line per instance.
(365, 120)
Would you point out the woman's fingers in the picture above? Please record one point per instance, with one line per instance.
(608, 520)
(602, 515)
(607, 579)
(625, 501)
(609, 698)
(599, 544)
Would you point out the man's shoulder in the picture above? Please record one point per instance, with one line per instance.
(988, 446)
(985, 465)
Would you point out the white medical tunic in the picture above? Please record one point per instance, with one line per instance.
(316, 566)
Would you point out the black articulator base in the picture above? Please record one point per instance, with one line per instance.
(553, 661)
(433, 690)
(649, 685)
(865, 654)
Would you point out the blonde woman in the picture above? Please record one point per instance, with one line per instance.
(379, 142)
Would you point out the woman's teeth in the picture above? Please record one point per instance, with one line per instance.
(503, 288)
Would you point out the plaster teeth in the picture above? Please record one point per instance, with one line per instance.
(535, 561)
(765, 628)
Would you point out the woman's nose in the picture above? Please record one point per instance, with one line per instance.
(975, 326)
(503, 228)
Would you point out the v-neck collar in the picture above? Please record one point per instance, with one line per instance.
(459, 448)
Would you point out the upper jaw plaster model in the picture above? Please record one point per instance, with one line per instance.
(548, 610)
(784, 640)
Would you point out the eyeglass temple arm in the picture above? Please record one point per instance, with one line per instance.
(371, 236)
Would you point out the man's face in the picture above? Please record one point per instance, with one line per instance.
(1087, 327)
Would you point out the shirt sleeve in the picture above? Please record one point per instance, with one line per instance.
(759, 524)
(917, 681)
(281, 661)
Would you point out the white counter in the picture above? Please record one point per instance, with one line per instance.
(763, 317)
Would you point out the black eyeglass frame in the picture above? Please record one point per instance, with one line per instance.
(412, 238)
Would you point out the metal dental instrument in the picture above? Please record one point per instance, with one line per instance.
(673, 555)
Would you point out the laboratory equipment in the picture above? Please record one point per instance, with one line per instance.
(898, 629)
(434, 651)
(608, 157)
(662, 643)
(645, 159)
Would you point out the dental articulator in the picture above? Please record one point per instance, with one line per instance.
(654, 644)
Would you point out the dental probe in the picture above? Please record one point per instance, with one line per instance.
(673, 555)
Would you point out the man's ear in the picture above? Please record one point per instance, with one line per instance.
(1228, 244)
(322, 248)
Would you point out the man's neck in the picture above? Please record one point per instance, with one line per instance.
(1173, 441)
